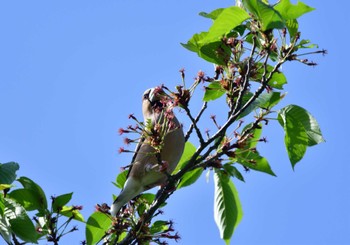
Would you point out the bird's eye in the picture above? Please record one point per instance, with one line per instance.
(145, 96)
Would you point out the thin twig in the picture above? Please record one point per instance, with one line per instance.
(195, 121)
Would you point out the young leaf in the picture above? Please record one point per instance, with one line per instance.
(227, 207)
(290, 11)
(8, 172)
(96, 226)
(59, 201)
(159, 226)
(213, 91)
(71, 211)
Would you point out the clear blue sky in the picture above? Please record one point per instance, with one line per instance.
(72, 71)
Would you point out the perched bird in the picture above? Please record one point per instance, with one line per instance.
(159, 150)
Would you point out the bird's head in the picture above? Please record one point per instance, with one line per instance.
(153, 99)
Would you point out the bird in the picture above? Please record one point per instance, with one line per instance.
(158, 151)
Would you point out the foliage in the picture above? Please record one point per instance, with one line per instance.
(16, 225)
(248, 44)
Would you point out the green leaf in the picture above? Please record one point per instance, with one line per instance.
(273, 99)
(195, 45)
(295, 139)
(8, 172)
(310, 124)
(20, 223)
(233, 171)
(278, 79)
(190, 177)
(215, 52)
(159, 226)
(27, 198)
(227, 207)
(305, 44)
(189, 150)
(255, 135)
(71, 211)
(213, 91)
(121, 178)
(254, 161)
(96, 226)
(60, 201)
(263, 101)
(2, 206)
(228, 19)
(301, 130)
(293, 27)
(4, 186)
(36, 191)
(267, 15)
(213, 14)
(290, 11)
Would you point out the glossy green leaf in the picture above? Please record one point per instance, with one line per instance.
(292, 11)
(60, 201)
(213, 91)
(35, 190)
(267, 15)
(96, 226)
(227, 207)
(189, 150)
(225, 22)
(8, 172)
(20, 223)
(190, 177)
(71, 211)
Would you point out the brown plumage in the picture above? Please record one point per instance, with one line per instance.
(148, 168)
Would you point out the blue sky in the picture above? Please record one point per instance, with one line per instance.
(72, 71)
